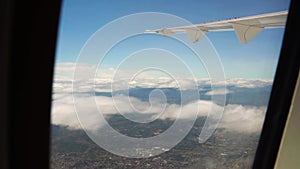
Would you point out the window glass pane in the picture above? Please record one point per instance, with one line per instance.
(138, 85)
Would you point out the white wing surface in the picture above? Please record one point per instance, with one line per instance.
(246, 28)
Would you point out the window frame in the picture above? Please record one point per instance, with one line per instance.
(28, 40)
(282, 92)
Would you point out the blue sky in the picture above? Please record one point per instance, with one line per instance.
(257, 59)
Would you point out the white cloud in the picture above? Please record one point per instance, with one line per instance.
(105, 78)
(63, 112)
(236, 117)
(248, 83)
(243, 118)
(218, 91)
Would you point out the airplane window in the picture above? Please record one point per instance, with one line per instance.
(161, 84)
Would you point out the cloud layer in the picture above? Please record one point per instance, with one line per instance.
(104, 78)
(236, 117)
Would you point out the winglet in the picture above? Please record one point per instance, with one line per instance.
(246, 30)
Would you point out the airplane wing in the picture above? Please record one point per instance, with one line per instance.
(246, 28)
